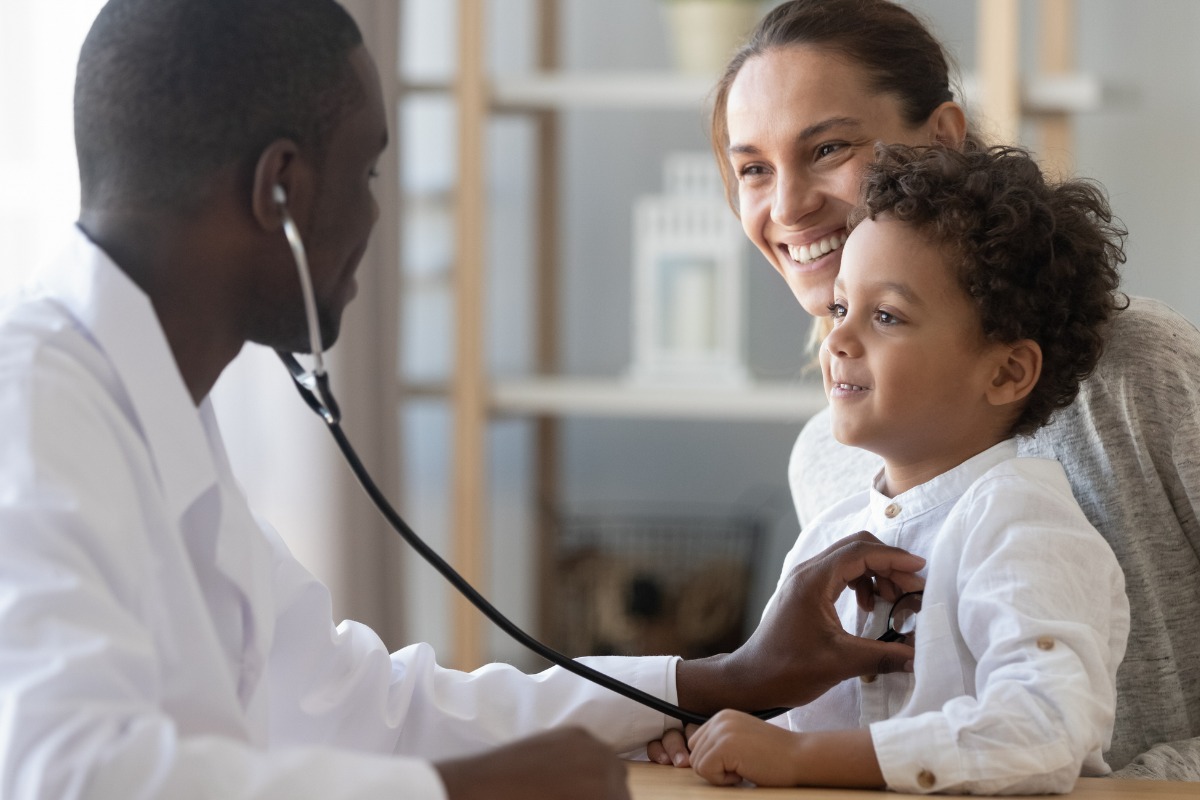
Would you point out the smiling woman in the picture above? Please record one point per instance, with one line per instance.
(796, 118)
(39, 185)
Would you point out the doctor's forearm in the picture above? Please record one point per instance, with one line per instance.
(707, 685)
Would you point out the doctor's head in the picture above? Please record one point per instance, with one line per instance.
(170, 91)
(190, 110)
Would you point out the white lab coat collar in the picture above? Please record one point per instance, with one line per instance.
(120, 318)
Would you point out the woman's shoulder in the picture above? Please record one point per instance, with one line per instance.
(1140, 408)
(1147, 337)
(1151, 362)
(823, 471)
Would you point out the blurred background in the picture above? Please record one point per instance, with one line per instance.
(486, 368)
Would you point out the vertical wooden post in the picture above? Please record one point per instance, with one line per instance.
(1056, 56)
(999, 71)
(468, 490)
(364, 371)
(546, 300)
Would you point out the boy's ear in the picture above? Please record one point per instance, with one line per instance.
(1018, 366)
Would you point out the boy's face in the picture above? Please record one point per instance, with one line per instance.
(907, 367)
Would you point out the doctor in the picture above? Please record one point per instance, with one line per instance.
(157, 642)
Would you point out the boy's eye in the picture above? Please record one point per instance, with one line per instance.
(884, 318)
(836, 310)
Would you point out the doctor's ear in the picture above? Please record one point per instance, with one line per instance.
(281, 183)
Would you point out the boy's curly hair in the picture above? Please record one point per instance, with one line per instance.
(1039, 259)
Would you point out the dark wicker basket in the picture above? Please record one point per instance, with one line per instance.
(653, 584)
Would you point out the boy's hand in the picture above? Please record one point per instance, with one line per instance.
(564, 764)
(672, 748)
(800, 649)
(732, 747)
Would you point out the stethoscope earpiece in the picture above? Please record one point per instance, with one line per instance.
(292, 233)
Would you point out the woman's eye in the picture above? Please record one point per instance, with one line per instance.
(751, 171)
(828, 149)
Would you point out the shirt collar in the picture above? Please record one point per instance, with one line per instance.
(947, 487)
(120, 319)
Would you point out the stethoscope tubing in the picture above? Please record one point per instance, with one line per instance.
(317, 401)
(314, 387)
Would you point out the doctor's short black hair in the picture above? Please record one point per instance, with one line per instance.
(1040, 259)
(167, 92)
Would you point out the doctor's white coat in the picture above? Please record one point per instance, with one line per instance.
(157, 642)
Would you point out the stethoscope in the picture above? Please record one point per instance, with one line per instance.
(313, 386)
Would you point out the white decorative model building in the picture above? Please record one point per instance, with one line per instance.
(689, 263)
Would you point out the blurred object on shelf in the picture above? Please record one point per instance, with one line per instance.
(688, 281)
(705, 33)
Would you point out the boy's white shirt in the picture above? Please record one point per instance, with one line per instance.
(1023, 625)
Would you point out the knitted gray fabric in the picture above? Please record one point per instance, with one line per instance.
(1130, 445)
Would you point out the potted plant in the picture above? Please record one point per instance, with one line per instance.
(704, 33)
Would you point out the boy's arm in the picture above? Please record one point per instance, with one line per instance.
(732, 747)
(1036, 596)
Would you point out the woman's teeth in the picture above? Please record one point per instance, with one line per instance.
(808, 253)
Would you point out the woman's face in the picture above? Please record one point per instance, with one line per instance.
(803, 124)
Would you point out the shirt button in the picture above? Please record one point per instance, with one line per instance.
(926, 779)
(1045, 643)
(891, 511)
(868, 678)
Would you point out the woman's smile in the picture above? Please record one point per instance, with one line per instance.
(806, 254)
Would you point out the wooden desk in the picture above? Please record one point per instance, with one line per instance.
(655, 782)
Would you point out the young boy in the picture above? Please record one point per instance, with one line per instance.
(972, 300)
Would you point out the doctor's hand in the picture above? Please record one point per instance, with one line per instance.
(564, 764)
(800, 649)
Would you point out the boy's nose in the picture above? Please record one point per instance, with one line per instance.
(842, 342)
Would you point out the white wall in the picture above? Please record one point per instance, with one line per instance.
(1142, 144)
(39, 182)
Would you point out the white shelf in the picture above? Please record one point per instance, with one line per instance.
(628, 90)
(1041, 94)
(1073, 93)
(774, 401)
